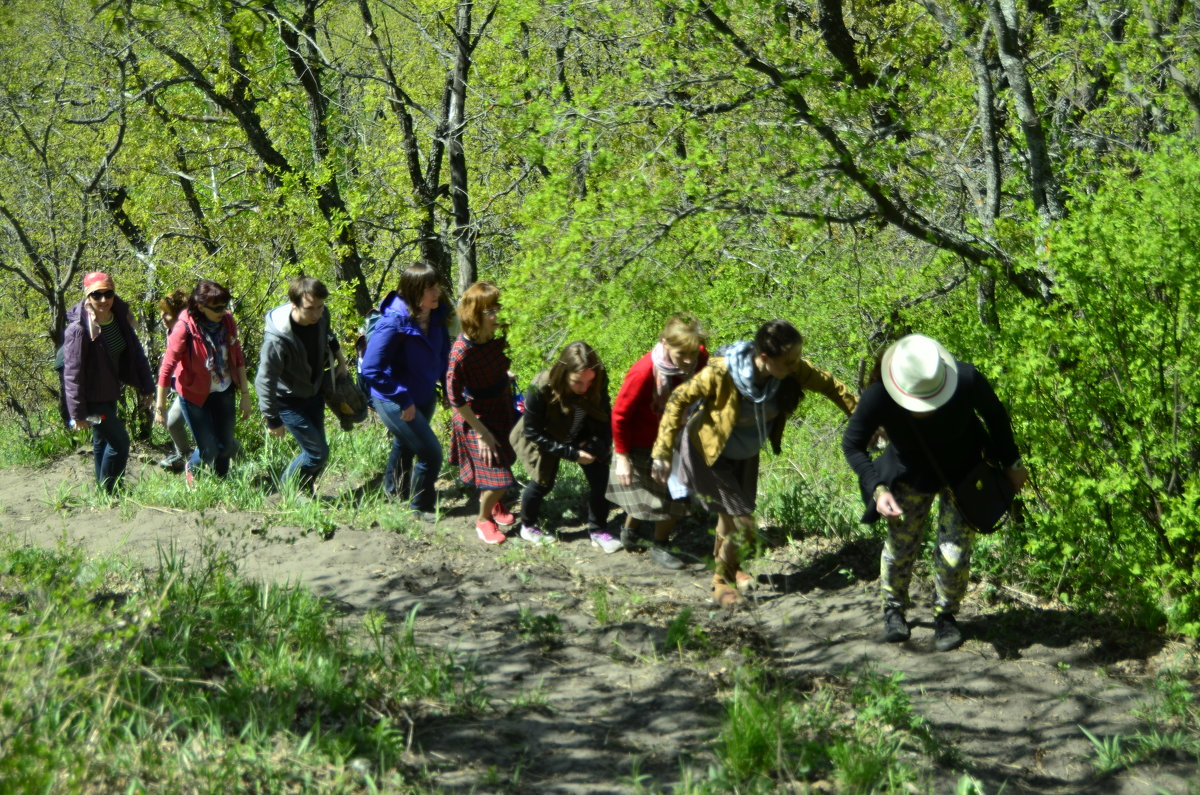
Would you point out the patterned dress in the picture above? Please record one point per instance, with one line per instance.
(478, 377)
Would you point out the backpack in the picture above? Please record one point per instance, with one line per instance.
(360, 347)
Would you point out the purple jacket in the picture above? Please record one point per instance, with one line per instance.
(401, 364)
(88, 372)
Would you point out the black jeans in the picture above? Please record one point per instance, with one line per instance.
(597, 478)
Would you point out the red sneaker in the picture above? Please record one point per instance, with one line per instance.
(488, 532)
(501, 516)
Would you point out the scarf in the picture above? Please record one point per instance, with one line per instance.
(214, 340)
(740, 358)
(664, 371)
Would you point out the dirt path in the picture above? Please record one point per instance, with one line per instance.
(593, 705)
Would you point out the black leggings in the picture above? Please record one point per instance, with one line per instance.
(597, 478)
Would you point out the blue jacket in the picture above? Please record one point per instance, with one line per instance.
(401, 364)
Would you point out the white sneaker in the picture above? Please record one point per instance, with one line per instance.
(605, 541)
(535, 536)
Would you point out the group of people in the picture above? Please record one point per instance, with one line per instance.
(686, 428)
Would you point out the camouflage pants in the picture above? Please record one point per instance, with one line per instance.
(952, 555)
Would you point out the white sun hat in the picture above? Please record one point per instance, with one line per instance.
(919, 373)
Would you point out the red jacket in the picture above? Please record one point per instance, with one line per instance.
(634, 420)
(186, 359)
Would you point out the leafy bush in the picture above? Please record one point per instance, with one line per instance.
(1102, 384)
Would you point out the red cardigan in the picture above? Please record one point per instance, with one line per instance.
(186, 358)
(634, 420)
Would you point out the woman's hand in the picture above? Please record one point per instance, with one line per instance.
(246, 406)
(585, 457)
(489, 449)
(623, 469)
(660, 470)
(160, 415)
(410, 412)
(886, 504)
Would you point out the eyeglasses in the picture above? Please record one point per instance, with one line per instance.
(102, 295)
(491, 312)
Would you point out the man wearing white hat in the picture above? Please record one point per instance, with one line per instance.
(941, 416)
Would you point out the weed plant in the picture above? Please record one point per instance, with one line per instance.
(190, 679)
(861, 735)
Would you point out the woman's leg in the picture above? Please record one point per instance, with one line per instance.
(904, 536)
(487, 500)
(397, 474)
(222, 410)
(199, 418)
(177, 428)
(597, 478)
(952, 557)
(110, 445)
(428, 453)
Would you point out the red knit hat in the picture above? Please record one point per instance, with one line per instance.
(96, 280)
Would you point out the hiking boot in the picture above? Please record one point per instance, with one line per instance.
(660, 555)
(946, 635)
(629, 539)
(428, 517)
(501, 516)
(488, 532)
(602, 539)
(173, 462)
(534, 535)
(895, 628)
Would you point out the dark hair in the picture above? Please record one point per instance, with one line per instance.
(171, 305)
(479, 298)
(205, 293)
(575, 358)
(306, 285)
(414, 281)
(776, 337)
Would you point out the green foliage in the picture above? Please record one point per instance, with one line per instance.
(191, 678)
(546, 631)
(773, 735)
(684, 635)
(1102, 384)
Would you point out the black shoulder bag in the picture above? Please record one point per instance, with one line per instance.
(982, 496)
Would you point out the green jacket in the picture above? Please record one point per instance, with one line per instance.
(719, 411)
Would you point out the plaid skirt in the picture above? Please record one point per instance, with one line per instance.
(729, 486)
(465, 450)
(644, 499)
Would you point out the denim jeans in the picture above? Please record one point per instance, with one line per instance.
(212, 428)
(177, 428)
(412, 439)
(305, 420)
(110, 444)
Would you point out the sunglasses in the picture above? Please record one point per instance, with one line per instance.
(101, 295)
(216, 307)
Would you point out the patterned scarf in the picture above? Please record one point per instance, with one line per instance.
(740, 358)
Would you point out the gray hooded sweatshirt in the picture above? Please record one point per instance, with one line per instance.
(283, 369)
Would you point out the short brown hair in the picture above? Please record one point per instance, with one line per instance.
(414, 281)
(575, 358)
(306, 285)
(684, 331)
(479, 298)
(171, 305)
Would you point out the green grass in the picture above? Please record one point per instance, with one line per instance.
(859, 734)
(189, 678)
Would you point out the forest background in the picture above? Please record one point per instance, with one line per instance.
(1016, 180)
